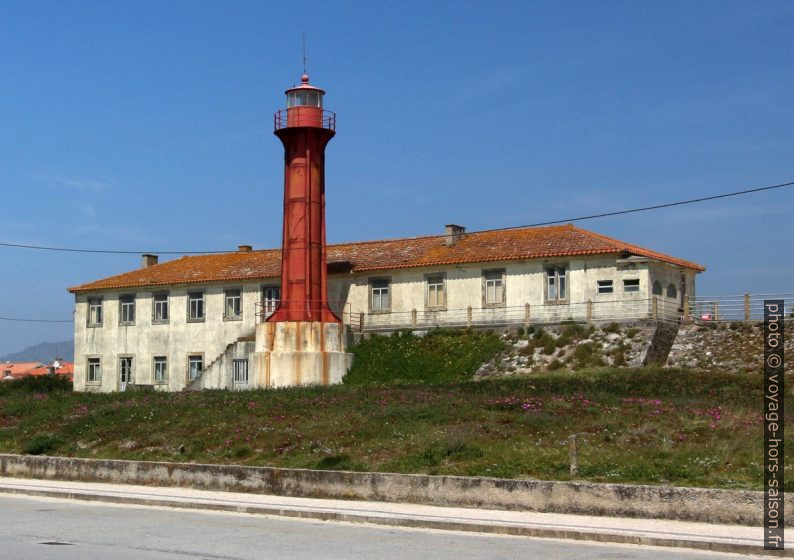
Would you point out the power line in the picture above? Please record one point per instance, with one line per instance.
(35, 320)
(548, 223)
(646, 208)
(107, 251)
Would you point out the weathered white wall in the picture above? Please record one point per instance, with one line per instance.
(524, 282)
(143, 341)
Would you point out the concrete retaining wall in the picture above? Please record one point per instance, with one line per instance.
(662, 502)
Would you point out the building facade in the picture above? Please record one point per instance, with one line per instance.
(191, 323)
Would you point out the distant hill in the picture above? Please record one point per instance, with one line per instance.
(43, 352)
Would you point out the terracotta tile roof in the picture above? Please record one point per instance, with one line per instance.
(486, 246)
(17, 370)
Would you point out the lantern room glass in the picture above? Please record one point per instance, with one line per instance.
(304, 98)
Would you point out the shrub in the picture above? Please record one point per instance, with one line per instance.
(611, 328)
(554, 365)
(41, 444)
(36, 384)
(587, 355)
(632, 332)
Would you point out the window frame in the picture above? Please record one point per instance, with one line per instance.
(632, 288)
(601, 286)
(236, 372)
(492, 275)
(566, 273)
(190, 299)
(388, 294)
(439, 280)
(93, 360)
(239, 297)
(190, 360)
(155, 302)
(269, 305)
(674, 290)
(126, 302)
(156, 360)
(98, 305)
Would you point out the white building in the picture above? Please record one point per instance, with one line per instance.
(190, 322)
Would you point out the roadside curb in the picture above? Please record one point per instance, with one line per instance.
(437, 522)
(705, 505)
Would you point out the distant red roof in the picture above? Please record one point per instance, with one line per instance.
(17, 370)
(363, 256)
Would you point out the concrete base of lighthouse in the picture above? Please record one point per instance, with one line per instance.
(293, 353)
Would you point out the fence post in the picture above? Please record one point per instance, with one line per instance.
(526, 314)
(361, 322)
(655, 308)
(574, 455)
(413, 317)
(468, 317)
(746, 307)
(716, 310)
(686, 309)
(589, 311)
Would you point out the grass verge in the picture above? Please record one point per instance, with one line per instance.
(653, 426)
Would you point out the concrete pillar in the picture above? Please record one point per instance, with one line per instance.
(655, 308)
(746, 307)
(589, 311)
(468, 316)
(716, 310)
(413, 317)
(526, 314)
(361, 322)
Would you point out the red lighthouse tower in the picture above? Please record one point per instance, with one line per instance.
(304, 128)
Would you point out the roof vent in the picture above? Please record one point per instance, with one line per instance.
(244, 248)
(148, 260)
(454, 233)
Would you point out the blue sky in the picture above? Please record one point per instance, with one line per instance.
(148, 126)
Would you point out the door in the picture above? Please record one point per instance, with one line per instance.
(125, 373)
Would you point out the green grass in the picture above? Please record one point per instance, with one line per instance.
(646, 425)
(441, 356)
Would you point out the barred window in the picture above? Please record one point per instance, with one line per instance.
(240, 371)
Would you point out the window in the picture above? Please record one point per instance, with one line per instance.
(631, 285)
(671, 291)
(435, 291)
(270, 297)
(160, 314)
(95, 312)
(605, 286)
(657, 288)
(240, 371)
(94, 370)
(195, 365)
(127, 310)
(493, 287)
(556, 284)
(380, 295)
(232, 307)
(195, 302)
(160, 369)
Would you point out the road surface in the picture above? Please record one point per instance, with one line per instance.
(45, 528)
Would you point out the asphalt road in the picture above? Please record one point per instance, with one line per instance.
(44, 528)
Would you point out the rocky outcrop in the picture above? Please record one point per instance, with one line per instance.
(732, 346)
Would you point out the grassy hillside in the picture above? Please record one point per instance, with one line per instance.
(634, 425)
